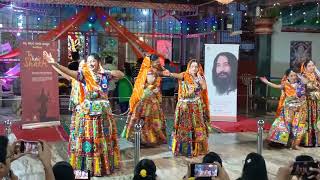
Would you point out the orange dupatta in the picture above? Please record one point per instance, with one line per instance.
(138, 88)
(188, 78)
(287, 91)
(90, 82)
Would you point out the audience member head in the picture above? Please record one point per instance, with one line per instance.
(145, 170)
(63, 171)
(75, 56)
(4, 157)
(74, 65)
(140, 60)
(127, 69)
(167, 61)
(212, 157)
(108, 60)
(254, 168)
(304, 158)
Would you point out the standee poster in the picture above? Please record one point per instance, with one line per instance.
(39, 84)
(221, 71)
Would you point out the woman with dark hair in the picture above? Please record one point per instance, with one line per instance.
(192, 119)
(288, 127)
(145, 104)
(311, 77)
(148, 110)
(254, 168)
(150, 62)
(96, 143)
(145, 170)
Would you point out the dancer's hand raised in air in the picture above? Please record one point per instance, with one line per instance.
(48, 57)
(264, 80)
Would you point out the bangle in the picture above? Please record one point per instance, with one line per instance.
(170, 75)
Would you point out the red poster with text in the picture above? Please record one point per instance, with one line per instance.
(39, 83)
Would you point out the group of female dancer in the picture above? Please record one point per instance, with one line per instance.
(93, 143)
(297, 120)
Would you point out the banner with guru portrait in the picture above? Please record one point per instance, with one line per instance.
(39, 85)
(221, 69)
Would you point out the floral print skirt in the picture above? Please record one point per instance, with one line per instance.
(288, 128)
(190, 134)
(93, 143)
(154, 126)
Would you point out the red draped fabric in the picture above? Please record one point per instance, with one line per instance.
(12, 54)
(65, 26)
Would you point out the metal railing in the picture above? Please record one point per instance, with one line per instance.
(247, 80)
(137, 137)
(260, 124)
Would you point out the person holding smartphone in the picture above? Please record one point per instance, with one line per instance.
(304, 167)
(10, 153)
(211, 158)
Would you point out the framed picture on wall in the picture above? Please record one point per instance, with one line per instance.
(300, 51)
(164, 47)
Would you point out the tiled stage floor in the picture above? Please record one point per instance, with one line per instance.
(232, 147)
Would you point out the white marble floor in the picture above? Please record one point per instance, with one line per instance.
(232, 148)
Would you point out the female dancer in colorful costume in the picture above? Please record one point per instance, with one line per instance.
(97, 148)
(288, 127)
(145, 104)
(76, 98)
(311, 77)
(149, 111)
(192, 118)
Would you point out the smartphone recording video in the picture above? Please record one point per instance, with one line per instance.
(204, 170)
(81, 175)
(302, 168)
(29, 147)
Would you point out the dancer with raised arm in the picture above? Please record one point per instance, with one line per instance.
(192, 116)
(149, 111)
(97, 148)
(288, 127)
(76, 98)
(151, 65)
(310, 75)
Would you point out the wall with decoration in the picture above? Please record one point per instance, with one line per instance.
(280, 51)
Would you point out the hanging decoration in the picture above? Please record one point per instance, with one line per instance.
(122, 4)
(224, 1)
(301, 18)
(65, 26)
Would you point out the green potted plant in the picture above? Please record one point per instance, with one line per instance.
(264, 22)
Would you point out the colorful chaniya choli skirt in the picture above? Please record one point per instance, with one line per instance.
(93, 143)
(190, 134)
(288, 128)
(154, 126)
(74, 129)
(311, 137)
